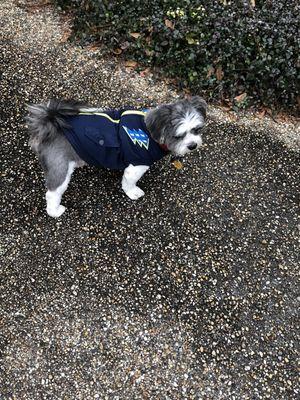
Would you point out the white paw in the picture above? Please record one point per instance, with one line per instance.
(56, 212)
(134, 193)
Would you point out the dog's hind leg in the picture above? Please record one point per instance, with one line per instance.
(57, 182)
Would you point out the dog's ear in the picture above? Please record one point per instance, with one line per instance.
(200, 104)
(158, 122)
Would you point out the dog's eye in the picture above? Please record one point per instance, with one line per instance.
(196, 131)
(179, 137)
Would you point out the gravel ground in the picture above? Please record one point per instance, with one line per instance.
(189, 293)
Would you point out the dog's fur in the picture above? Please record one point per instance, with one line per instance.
(177, 126)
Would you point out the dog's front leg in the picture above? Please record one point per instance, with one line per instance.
(130, 177)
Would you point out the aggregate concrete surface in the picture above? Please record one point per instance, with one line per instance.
(189, 293)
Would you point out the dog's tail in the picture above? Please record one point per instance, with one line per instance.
(47, 120)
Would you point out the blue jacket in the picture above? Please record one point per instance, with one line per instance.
(113, 139)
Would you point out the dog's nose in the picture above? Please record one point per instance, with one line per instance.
(192, 146)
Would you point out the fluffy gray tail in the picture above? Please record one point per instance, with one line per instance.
(46, 121)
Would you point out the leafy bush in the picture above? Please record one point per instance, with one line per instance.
(241, 49)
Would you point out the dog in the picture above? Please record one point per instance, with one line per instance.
(66, 134)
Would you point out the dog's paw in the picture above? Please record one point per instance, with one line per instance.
(56, 212)
(135, 193)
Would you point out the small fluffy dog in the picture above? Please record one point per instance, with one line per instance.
(68, 134)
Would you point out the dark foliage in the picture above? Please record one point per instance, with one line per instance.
(218, 48)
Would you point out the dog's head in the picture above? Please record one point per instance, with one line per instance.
(178, 126)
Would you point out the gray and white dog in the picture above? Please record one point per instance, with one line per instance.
(171, 128)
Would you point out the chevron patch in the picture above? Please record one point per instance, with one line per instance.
(138, 136)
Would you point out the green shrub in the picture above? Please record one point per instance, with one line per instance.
(217, 48)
